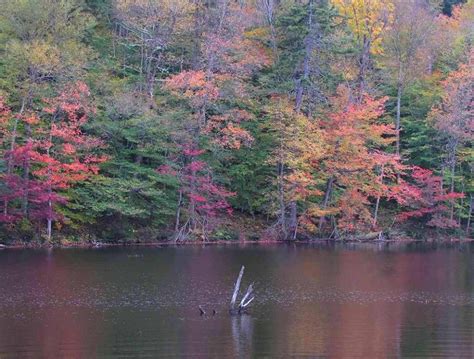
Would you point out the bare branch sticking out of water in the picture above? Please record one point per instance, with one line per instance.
(246, 299)
(236, 288)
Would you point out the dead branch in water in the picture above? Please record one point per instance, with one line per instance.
(246, 299)
(236, 288)
(245, 302)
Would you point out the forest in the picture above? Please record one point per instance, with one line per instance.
(207, 120)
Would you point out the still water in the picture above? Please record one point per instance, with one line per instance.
(311, 301)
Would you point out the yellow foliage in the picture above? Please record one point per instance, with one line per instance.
(41, 55)
(257, 33)
(367, 19)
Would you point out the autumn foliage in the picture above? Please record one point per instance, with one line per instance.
(426, 199)
(304, 119)
(54, 154)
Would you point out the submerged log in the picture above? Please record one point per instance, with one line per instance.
(246, 300)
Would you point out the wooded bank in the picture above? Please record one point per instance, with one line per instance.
(226, 120)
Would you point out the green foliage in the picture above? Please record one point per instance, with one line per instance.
(420, 145)
(293, 35)
(447, 5)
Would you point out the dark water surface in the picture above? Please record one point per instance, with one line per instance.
(311, 301)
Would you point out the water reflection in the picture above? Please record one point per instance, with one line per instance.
(336, 301)
(242, 334)
(35, 322)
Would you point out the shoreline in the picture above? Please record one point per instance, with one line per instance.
(157, 244)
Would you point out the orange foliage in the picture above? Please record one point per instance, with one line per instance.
(356, 137)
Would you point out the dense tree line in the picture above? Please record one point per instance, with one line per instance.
(171, 119)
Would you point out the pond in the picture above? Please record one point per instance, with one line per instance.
(368, 301)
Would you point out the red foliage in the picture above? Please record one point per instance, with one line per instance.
(427, 199)
(205, 198)
(52, 159)
(192, 152)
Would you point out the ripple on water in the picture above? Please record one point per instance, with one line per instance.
(308, 302)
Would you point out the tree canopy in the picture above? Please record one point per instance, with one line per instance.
(200, 120)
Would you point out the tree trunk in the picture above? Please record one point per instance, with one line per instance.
(327, 197)
(269, 6)
(377, 204)
(50, 189)
(461, 206)
(453, 175)
(192, 211)
(26, 176)
(178, 211)
(26, 179)
(50, 221)
(397, 122)
(293, 225)
(281, 193)
(301, 82)
(469, 216)
(196, 50)
(364, 62)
